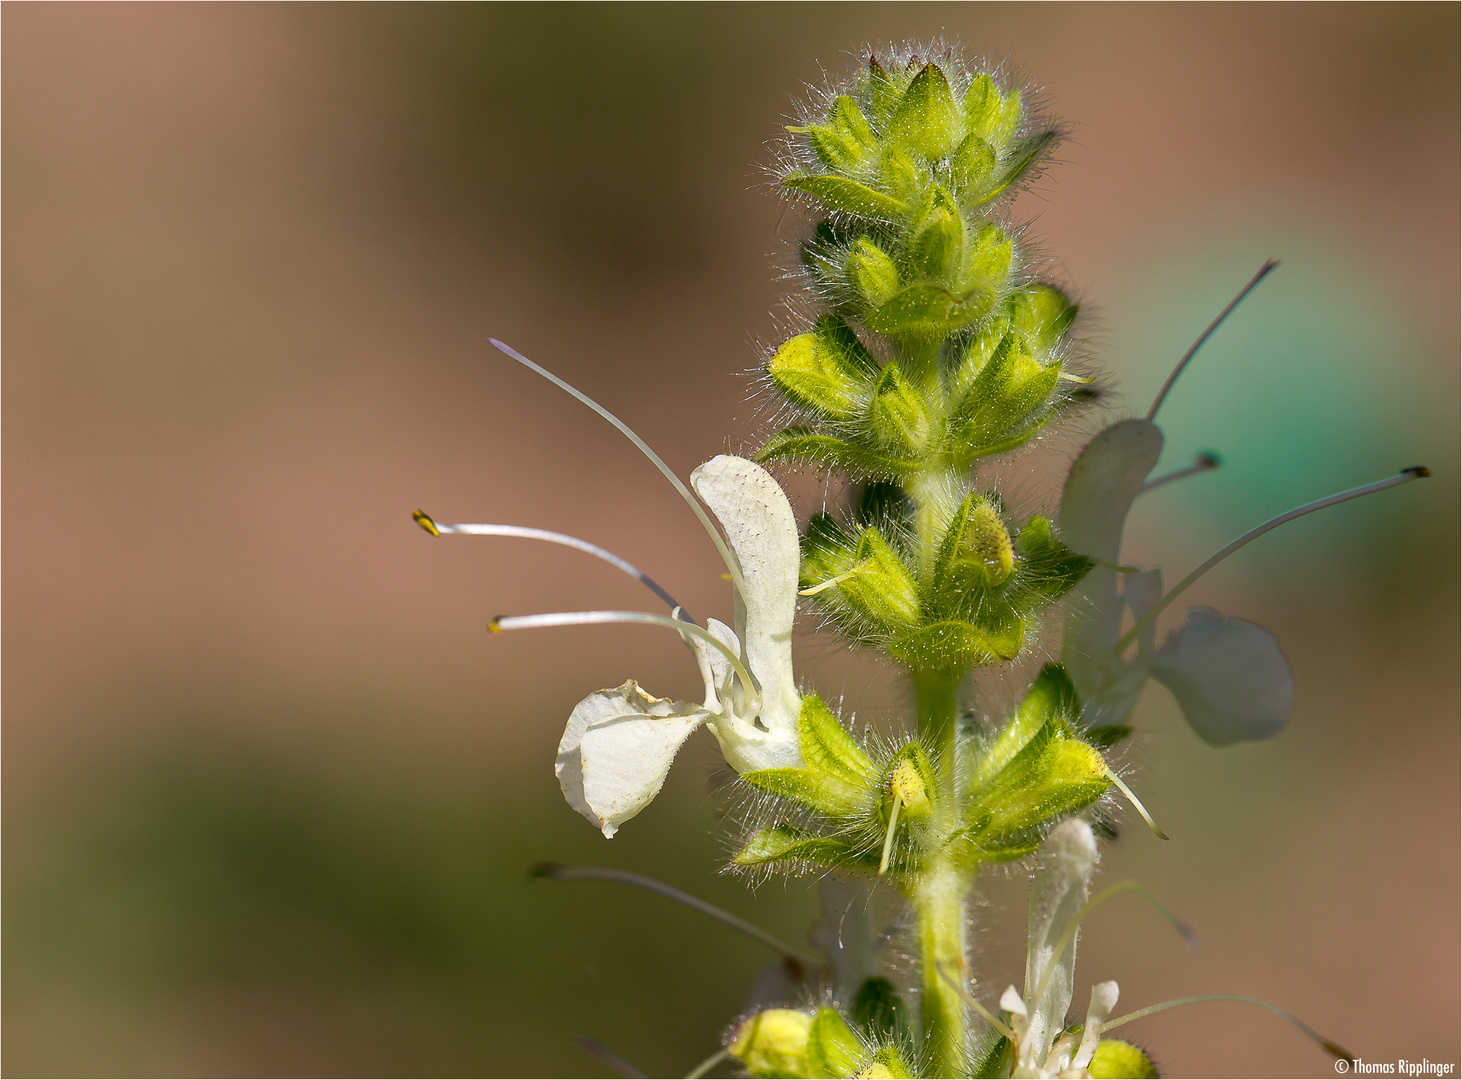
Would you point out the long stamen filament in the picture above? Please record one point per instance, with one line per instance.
(690, 500)
(707, 1065)
(556, 872)
(590, 618)
(437, 528)
(1203, 337)
(1186, 932)
(893, 820)
(970, 1000)
(1135, 801)
(1329, 1046)
(830, 582)
(1416, 472)
(1202, 463)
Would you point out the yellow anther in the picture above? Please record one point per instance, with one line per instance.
(907, 786)
(425, 522)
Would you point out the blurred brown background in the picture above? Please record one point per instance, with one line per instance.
(270, 790)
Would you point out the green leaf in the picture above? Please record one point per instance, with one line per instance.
(1023, 157)
(976, 355)
(1050, 775)
(872, 271)
(930, 311)
(846, 142)
(839, 193)
(1049, 567)
(898, 415)
(926, 120)
(972, 166)
(832, 1048)
(956, 645)
(1007, 119)
(880, 587)
(883, 91)
(837, 779)
(982, 108)
(782, 843)
(1040, 314)
(1050, 699)
(827, 369)
(1006, 402)
(988, 265)
(936, 250)
(993, 1056)
(828, 748)
(804, 444)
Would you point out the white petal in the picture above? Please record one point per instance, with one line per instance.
(715, 668)
(1104, 480)
(1058, 893)
(1103, 1001)
(762, 531)
(1123, 683)
(1229, 676)
(616, 750)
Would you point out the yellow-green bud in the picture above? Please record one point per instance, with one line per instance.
(773, 1043)
(1115, 1058)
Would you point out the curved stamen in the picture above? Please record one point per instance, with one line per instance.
(1202, 463)
(1186, 932)
(1203, 337)
(1198, 999)
(1135, 801)
(709, 1064)
(437, 528)
(1405, 476)
(590, 618)
(643, 447)
(628, 877)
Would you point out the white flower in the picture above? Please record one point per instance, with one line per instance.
(619, 743)
(1038, 1017)
(1228, 675)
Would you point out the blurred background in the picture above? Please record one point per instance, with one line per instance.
(271, 791)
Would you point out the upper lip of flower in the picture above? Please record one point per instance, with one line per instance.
(619, 742)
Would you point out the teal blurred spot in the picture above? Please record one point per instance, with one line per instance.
(1322, 380)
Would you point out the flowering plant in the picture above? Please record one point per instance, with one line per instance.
(936, 347)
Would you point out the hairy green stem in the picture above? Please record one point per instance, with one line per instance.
(939, 902)
(937, 695)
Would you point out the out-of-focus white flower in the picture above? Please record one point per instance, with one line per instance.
(1228, 675)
